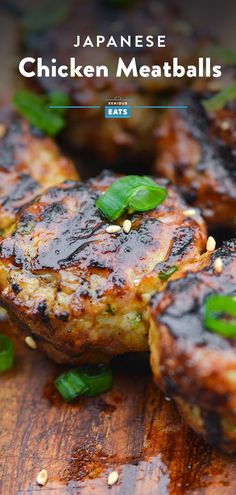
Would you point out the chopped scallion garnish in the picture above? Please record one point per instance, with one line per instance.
(86, 380)
(6, 353)
(219, 52)
(58, 98)
(45, 15)
(221, 99)
(220, 315)
(140, 193)
(167, 273)
(36, 109)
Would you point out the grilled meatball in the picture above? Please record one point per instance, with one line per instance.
(29, 163)
(81, 292)
(196, 150)
(190, 363)
(120, 141)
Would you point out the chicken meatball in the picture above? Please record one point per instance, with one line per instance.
(29, 163)
(196, 150)
(192, 364)
(80, 291)
(120, 141)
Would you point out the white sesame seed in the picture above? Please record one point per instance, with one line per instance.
(225, 125)
(30, 342)
(166, 219)
(145, 316)
(113, 478)
(146, 297)
(127, 225)
(113, 229)
(211, 244)
(3, 130)
(218, 265)
(190, 212)
(42, 478)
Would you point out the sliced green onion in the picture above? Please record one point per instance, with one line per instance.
(133, 191)
(97, 378)
(219, 52)
(86, 380)
(146, 198)
(70, 385)
(58, 98)
(167, 273)
(6, 353)
(220, 315)
(36, 109)
(219, 100)
(46, 15)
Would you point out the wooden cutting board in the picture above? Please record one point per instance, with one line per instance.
(133, 429)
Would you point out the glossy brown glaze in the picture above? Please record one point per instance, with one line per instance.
(192, 364)
(133, 429)
(81, 291)
(29, 163)
(120, 141)
(196, 151)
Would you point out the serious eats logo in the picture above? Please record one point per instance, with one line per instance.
(118, 108)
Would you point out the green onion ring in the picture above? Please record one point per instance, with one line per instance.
(140, 193)
(86, 380)
(167, 273)
(36, 109)
(220, 100)
(6, 353)
(217, 305)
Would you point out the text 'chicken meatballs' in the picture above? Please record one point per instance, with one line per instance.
(196, 150)
(80, 291)
(191, 362)
(29, 163)
(124, 141)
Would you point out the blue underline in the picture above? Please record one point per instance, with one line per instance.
(76, 106)
(164, 106)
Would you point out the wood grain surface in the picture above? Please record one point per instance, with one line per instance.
(133, 429)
